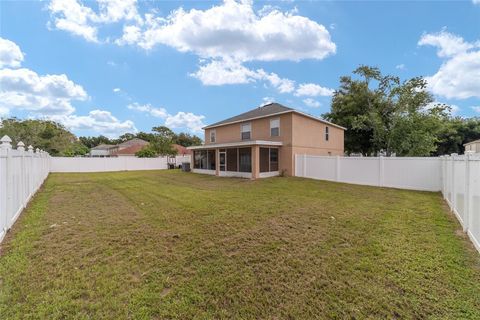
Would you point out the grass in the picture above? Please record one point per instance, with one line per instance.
(165, 244)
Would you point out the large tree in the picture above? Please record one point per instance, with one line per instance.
(384, 115)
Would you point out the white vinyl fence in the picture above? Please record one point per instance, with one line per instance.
(65, 164)
(394, 172)
(461, 190)
(21, 175)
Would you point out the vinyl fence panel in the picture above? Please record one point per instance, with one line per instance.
(405, 173)
(21, 175)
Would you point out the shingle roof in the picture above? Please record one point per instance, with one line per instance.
(263, 111)
(129, 150)
(181, 150)
(103, 146)
(132, 142)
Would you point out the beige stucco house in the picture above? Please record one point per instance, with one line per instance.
(473, 146)
(263, 142)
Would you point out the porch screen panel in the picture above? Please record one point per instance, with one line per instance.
(245, 159)
(211, 159)
(273, 159)
(197, 159)
(232, 159)
(203, 159)
(264, 160)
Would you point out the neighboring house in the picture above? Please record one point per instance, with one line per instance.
(473, 146)
(128, 151)
(181, 150)
(103, 150)
(127, 148)
(263, 142)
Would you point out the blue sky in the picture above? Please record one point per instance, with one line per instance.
(109, 67)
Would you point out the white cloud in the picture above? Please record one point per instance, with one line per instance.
(234, 30)
(400, 66)
(49, 94)
(100, 121)
(476, 1)
(10, 54)
(459, 75)
(156, 112)
(72, 16)
(283, 85)
(221, 72)
(448, 44)
(309, 102)
(116, 90)
(313, 90)
(188, 120)
(476, 108)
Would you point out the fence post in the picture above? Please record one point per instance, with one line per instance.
(21, 149)
(30, 171)
(7, 148)
(381, 171)
(452, 192)
(468, 221)
(337, 168)
(304, 165)
(444, 176)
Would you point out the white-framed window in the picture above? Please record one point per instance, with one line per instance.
(275, 127)
(213, 135)
(327, 133)
(246, 131)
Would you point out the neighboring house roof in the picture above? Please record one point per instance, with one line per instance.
(472, 142)
(181, 149)
(132, 142)
(129, 151)
(267, 110)
(104, 147)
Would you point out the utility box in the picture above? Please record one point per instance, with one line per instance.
(186, 166)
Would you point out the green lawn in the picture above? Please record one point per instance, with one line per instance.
(167, 244)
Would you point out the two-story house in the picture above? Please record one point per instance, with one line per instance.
(263, 142)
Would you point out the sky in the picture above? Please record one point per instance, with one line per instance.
(110, 67)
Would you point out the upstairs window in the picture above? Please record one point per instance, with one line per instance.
(274, 127)
(326, 133)
(212, 135)
(246, 130)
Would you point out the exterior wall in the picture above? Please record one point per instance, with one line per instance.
(260, 130)
(310, 134)
(309, 138)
